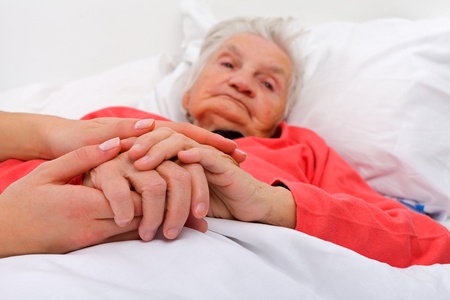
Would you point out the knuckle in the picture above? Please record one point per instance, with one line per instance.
(180, 175)
(82, 154)
(167, 130)
(157, 186)
(119, 197)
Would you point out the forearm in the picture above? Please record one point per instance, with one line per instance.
(26, 136)
(11, 242)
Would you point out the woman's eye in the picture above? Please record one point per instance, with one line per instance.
(268, 86)
(227, 65)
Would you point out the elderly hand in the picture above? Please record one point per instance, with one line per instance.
(41, 213)
(234, 193)
(169, 192)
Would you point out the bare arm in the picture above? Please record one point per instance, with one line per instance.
(28, 136)
(22, 135)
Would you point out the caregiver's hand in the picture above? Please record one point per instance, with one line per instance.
(41, 213)
(169, 192)
(66, 135)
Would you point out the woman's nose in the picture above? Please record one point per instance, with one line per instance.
(241, 81)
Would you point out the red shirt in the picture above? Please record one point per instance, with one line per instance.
(333, 202)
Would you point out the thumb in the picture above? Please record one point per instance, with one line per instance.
(77, 162)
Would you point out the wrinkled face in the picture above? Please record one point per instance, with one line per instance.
(243, 87)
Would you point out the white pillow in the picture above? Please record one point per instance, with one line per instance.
(378, 92)
(164, 99)
(124, 85)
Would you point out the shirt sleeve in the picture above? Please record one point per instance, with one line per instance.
(340, 207)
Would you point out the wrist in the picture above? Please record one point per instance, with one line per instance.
(281, 207)
(55, 136)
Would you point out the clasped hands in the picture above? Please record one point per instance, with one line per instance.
(142, 188)
(178, 181)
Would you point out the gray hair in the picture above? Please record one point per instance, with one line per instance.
(277, 30)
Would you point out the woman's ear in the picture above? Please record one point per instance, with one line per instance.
(186, 99)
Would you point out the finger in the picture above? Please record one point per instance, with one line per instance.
(126, 144)
(211, 160)
(153, 189)
(107, 231)
(196, 224)
(104, 128)
(178, 197)
(96, 205)
(238, 155)
(126, 236)
(200, 190)
(77, 162)
(200, 135)
(117, 191)
(145, 142)
(166, 149)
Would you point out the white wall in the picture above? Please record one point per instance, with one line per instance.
(48, 40)
(41, 40)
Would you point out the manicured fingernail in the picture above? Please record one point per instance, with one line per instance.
(144, 124)
(242, 152)
(233, 142)
(110, 144)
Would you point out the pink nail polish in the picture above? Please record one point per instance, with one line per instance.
(110, 144)
(240, 151)
(144, 124)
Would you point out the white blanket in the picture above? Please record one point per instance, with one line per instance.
(233, 260)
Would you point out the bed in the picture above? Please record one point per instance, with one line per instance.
(376, 86)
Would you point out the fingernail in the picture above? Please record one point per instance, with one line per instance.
(122, 222)
(144, 124)
(200, 210)
(136, 147)
(148, 235)
(110, 144)
(172, 233)
(240, 151)
(143, 159)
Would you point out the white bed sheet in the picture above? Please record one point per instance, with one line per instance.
(233, 260)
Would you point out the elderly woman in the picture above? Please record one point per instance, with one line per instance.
(243, 85)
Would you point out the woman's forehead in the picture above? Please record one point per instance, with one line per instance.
(257, 48)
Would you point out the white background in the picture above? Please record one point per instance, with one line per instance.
(58, 40)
